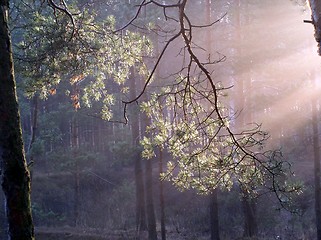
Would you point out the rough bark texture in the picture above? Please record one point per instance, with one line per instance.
(15, 174)
(315, 6)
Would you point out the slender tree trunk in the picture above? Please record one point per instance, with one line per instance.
(34, 124)
(161, 197)
(75, 152)
(250, 224)
(140, 195)
(74, 131)
(317, 173)
(248, 204)
(214, 215)
(160, 162)
(151, 219)
(15, 174)
(139, 180)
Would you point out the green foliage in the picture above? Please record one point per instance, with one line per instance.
(87, 53)
(205, 154)
(38, 147)
(50, 131)
(126, 192)
(184, 120)
(67, 160)
(44, 216)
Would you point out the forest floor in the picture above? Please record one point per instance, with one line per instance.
(68, 233)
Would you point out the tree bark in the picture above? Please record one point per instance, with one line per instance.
(317, 173)
(315, 6)
(15, 174)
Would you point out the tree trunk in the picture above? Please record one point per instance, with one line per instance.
(151, 219)
(315, 6)
(34, 125)
(15, 174)
(214, 216)
(317, 174)
(33, 128)
(140, 195)
(244, 117)
(161, 197)
(75, 149)
(139, 180)
(250, 225)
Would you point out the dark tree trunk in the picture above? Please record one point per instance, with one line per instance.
(315, 6)
(214, 216)
(317, 174)
(250, 224)
(15, 174)
(33, 129)
(140, 195)
(161, 197)
(151, 220)
(75, 150)
(34, 125)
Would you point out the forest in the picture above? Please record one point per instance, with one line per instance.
(149, 119)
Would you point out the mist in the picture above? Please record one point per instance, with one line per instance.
(116, 152)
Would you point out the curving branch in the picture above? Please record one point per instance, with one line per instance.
(64, 9)
(234, 155)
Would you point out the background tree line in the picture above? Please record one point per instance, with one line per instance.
(72, 94)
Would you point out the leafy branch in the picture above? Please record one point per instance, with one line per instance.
(190, 121)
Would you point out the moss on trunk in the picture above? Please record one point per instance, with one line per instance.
(15, 174)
